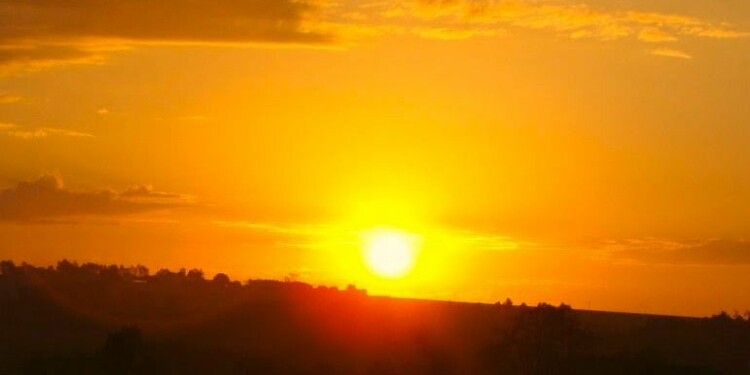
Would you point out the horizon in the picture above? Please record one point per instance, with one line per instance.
(295, 279)
(291, 280)
(589, 152)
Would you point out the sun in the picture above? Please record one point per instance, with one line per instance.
(390, 253)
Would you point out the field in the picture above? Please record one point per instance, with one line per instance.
(97, 319)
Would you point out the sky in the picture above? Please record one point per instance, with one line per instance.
(591, 152)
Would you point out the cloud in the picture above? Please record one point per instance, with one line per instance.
(574, 20)
(35, 55)
(332, 236)
(674, 53)
(47, 198)
(42, 33)
(9, 99)
(46, 132)
(656, 35)
(49, 32)
(146, 193)
(714, 252)
(454, 33)
(297, 235)
(17, 131)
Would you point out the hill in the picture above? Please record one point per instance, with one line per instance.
(94, 319)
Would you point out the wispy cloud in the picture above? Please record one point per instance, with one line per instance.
(656, 35)
(147, 193)
(633, 251)
(575, 20)
(47, 132)
(298, 235)
(21, 132)
(35, 55)
(705, 252)
(669, 52)
(330, 236)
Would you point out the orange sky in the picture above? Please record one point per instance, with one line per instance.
(587, 152)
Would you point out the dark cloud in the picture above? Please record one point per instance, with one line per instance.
(49, 31)
(717, 252)
(47, 198)
(723, 252)
(147, 192)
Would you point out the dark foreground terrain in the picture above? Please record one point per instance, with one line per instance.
(92, 319)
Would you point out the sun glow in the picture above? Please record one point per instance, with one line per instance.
(390, 253)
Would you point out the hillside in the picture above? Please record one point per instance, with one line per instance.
(91, 319)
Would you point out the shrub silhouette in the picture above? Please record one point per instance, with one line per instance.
(544, 340)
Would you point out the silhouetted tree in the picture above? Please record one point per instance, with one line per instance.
(542, 340)
(195, 275)
(67, 267)
(721, 317)
(221, 279)
(7, 267)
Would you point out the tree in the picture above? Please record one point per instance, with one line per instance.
(221, 279)
(541, 340)
(7, 267)
(195, 275)
(67, 267)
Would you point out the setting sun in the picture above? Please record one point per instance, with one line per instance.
(389, 253)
